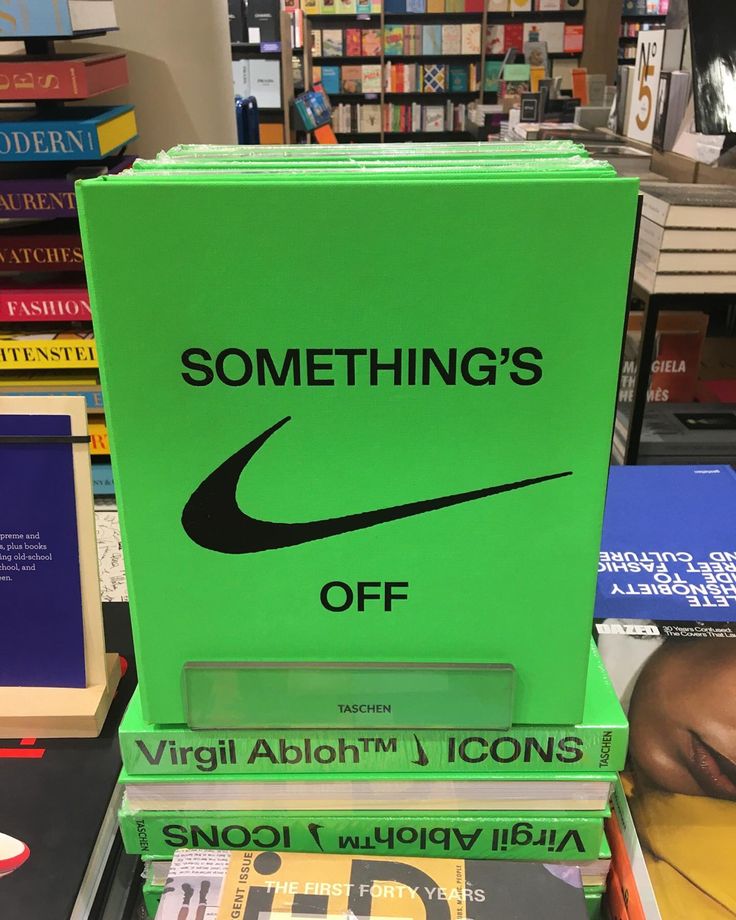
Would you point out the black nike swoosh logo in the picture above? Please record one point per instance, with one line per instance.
(422, 759)
(314, 830)
(213, 520)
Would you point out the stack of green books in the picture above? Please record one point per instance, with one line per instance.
(531, 793)
(361, 517)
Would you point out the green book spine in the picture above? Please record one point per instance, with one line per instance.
(151, 897)
(597, 745)
(483, 835)
(173, 752)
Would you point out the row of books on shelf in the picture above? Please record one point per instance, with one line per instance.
(646, 7)
(351, 7)
(446, 39)
(398, 118)
(632, 29)
(400, 78)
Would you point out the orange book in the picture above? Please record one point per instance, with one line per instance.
(580, 84)
(621, 867)
(615, 898)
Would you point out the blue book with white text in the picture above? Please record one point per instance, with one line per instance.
(668, 550)
(54, 18)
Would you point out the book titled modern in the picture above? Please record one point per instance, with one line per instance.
(67, 134)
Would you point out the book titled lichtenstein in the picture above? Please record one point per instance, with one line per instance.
(598, 743)
(234, 885)
(69, 134)
(378, 487)
(537, 837)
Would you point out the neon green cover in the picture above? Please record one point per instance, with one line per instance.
(529, 149)
(414, 421)
(597, 744)
(483, 835)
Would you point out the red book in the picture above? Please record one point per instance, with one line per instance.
(513, 36)
(580, 84)
(61, 302)
(63, 77)
(473, 6)
(574, 37)
(352, 43)
(55, 247)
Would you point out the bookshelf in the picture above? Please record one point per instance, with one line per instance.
(638, 15)
(489, 25)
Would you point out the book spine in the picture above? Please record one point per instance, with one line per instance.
(184, 752)
(476, 836)
(37, 354)
(23, 79)
(41, 253)
(99, 445)
(93, 398)
(24, 306)
(26, 18)
(42, 198)
(42, 141)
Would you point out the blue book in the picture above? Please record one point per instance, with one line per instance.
(394, 6)
(668, 550)
(415, 6)
(431, 39)
(69, 134)
(93, 398)
(26, 18)
(331, 78)
(102, 483)
(40, 591)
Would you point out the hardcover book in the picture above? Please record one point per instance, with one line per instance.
(371, 78)
(536, 837)
(42, 247)
(393, 40)
(457, 78)
(371, 42)
(432, 39)
(368, 888)
(69, 134)
(52, 350)
(350, 78)
(37, 303)
(352, 43)
(451, 38)
(332, 42)
(597, 743)
(470, 38)
(304, 571)
(433, 78)
(47, 190)
(369, 117)
(63, 77)
(56, 18)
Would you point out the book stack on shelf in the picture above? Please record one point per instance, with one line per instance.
(686, 241)
(341, 726)
(46, 341)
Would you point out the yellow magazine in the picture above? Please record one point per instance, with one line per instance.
(238, 885)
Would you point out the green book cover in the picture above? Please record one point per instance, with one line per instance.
(458, 78)
(598, 743)
(394, 467)
(485, 835)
